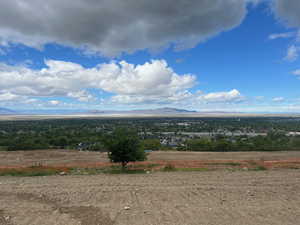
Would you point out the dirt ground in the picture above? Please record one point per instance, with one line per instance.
(160, 198)
(76, 158)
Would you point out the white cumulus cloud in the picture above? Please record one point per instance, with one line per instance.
(222, 97)
(54, 102)
(278, 99)
(152, 81)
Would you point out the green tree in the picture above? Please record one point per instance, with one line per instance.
(151, 144)
(222, 145)
(123, 147)
(201, 144)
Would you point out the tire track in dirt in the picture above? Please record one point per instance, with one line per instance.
(47, 208)
(87, 215)
(5, 219)
(177, 198)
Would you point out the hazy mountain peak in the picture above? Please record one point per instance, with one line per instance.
(6, 111)
(143, 111)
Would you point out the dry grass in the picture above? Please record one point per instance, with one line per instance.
(53, 162)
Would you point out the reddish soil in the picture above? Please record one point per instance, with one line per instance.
(210, 160)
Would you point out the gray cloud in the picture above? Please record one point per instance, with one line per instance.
(111, 27)
(288, 11)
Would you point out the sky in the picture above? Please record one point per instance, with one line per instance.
(204, 55)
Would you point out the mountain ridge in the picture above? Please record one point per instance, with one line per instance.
(155, 111)
(143, 111)
(6, 111)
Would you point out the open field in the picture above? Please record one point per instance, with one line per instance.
(161, 198)
(81, 159)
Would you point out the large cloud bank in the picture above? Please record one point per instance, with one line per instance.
(111, 27)
(150, 81)
(153, 82)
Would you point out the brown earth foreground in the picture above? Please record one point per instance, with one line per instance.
(215, 197)
(160, 198)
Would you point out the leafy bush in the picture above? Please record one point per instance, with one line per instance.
(123, 147)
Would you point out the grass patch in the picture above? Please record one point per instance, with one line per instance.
(252, 162)
(143, 166)
(193, 169)
(225, 164)
(258, 168)
(86, 171)
(106, 170)
(3, 148)
(171, 168)
(293, 167)
(29, 172)
(126, 171)
(232, 164)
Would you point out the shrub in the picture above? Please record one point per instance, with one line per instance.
(123, 147)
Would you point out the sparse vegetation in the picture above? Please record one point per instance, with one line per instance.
(29, 172)
(226, 164)
(258, 168)
(105, 170)
(37, 169)
(169, 167)
(193, 169)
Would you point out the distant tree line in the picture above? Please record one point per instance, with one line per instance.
(90, 134)
(274, 141)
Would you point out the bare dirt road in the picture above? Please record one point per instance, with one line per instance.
(160, 198)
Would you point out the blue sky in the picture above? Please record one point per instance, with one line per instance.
(224, 55)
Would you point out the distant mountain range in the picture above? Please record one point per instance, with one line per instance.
(144, 111)
(158, 111)
(6, 111)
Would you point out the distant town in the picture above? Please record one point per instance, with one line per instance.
(182, 134)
